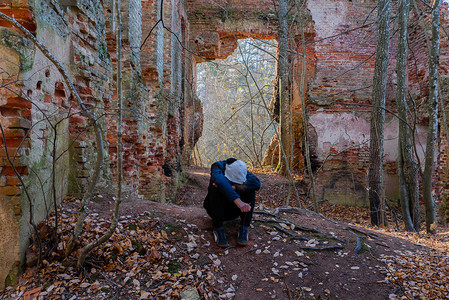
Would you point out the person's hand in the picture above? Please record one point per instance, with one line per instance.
(243, 206)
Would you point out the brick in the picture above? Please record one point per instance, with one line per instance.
(19, 14)
(15, 200)
(10, 190)
(20, 4)
(17, 162)
(6, 3)
(5, 24)
(26, 114)
(19, 123)
(11, 151)
(17, 210)
(15, 102)
(59, 93)
(77, 119)
(14, 143)
(47, 98)
(14, 133)
(12, 180)
(9, 171)
(84, 90)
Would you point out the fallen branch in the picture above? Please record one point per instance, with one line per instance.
(284, 231)
(153, 286)
(323, 249)
(327, 219)
(383, 245)
(278, 210)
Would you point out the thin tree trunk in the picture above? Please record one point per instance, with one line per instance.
(284, 94)
(407, 168)
(378, 112)
(434, 52)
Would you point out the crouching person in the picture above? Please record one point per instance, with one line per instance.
(231, 193)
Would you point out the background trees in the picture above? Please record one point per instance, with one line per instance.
(236, 119)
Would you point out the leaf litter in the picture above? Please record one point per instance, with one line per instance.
(150, 258)
(141, 261)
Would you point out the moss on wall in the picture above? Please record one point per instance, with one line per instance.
(21, 45)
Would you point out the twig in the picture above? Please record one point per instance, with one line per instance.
(153, 286)
(166, 289)
(286, 287)
(102, 274)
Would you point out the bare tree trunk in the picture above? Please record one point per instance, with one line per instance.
(378, 112)
(407, 167)
(285, 140)
(434, 52)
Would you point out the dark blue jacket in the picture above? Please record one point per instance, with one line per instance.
(224, 186)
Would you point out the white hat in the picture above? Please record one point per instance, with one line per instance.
(236, 172)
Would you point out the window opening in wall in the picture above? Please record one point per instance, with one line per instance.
(235, 93)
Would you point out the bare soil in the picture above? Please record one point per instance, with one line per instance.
(294, 254)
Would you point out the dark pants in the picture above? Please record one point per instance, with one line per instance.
(220, 209)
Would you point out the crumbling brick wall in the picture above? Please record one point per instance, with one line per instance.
(41, 119)
(340, 94)
(82, 37)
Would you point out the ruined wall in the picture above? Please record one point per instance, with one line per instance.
(344, 46)
(339, 94)
(165, 69)
(214, 28)
(41, 120)
(38, 112)
(340, 37)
